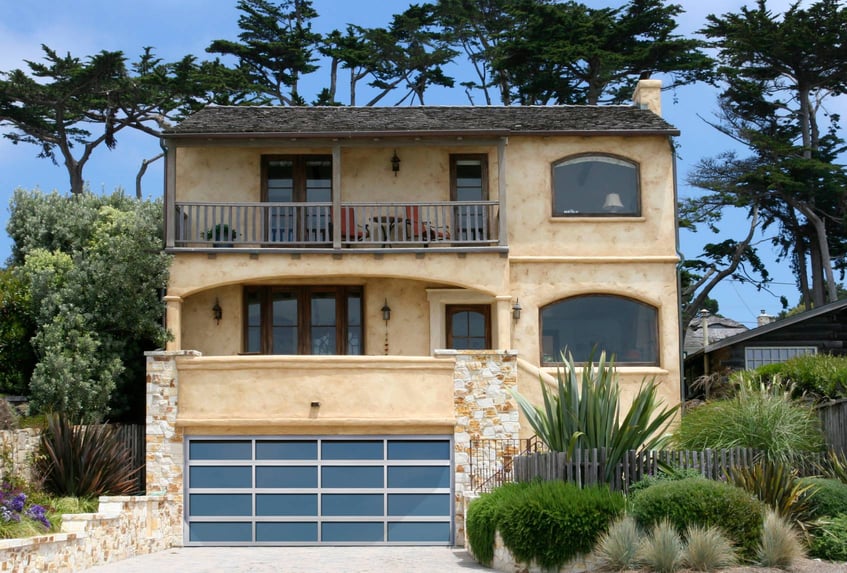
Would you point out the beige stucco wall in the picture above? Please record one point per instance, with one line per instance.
(234, 173)
(354, 394)
(549, 258)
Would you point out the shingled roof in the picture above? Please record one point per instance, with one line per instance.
(351, 122)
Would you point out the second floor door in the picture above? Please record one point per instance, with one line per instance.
(299, 180)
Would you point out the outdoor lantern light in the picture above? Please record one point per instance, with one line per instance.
(217, 311)
(386, 311)
(516, 310)
(395, 165)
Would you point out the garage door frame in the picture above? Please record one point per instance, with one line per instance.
(335, 461)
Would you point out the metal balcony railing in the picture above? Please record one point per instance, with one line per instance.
(312, 225)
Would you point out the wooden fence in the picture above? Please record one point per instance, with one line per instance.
(135, 438)
(833, 417)
(588, 467)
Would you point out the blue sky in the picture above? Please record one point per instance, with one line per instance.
(179, 27)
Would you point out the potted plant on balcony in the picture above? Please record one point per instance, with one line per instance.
(221, 235)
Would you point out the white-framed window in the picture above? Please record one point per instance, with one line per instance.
(596, 186)
(755, 356)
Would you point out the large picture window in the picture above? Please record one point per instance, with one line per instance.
(595, 186)
(582, 325)
(303, 320)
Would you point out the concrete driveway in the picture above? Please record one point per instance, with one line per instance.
(387, 559)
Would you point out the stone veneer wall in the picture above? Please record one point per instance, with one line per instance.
(165, 455)
(124, 526)
(484, 410)
(18, 448)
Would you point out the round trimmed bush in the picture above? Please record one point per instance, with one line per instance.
(547, 522)
(829, 497)
(702, 502)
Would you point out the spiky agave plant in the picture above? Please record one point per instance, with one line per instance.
(584, 412)
(84, 460)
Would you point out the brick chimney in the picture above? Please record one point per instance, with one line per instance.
(648, 95)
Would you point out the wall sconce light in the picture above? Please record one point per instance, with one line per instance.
(516, 310)
(395, 163)
(217, 311)
(386, 311)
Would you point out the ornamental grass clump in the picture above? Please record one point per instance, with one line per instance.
(618, 548)
(661, 550)
(707, 549)
(583, 412)
(780, 545)
(776, 484)
(762, 417)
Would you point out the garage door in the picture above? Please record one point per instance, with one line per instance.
(302, 491)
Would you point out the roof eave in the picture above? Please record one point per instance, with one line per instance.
(493, 133)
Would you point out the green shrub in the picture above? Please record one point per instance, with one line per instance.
(481, 520)
(829, 541)
(702, 502)
(822, 375)
(661, 550)
(760, 417)
(664, 476)
(84, 461)
(780, 545)
(549, 522)
(618, 548)
(827, 497)
(707, 549)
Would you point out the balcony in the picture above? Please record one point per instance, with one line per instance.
(294, 226)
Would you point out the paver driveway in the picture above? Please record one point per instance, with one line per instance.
(390, 559)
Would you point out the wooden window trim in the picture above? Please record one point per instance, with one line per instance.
(483, 158)
(451, 309)
(298, 173)
(303, 295)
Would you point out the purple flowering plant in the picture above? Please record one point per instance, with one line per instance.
(14, 507)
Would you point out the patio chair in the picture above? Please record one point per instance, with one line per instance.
(423, 231)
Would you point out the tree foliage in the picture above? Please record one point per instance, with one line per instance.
(94, 270)
(778, 72)
(17, 327)
(69, 107)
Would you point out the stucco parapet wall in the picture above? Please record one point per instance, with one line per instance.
(650, 259)
(313, 363)
(171, 353)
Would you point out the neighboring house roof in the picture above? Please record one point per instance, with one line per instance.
(774, 326)
(349, 122)
(720, 328)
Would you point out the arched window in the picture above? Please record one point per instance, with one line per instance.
(595, 186)
(620, 326)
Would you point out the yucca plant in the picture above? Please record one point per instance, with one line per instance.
(84, 461)
(584, 412)
(777, 485)
(836, 466)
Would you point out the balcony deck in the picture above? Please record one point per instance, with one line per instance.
(466, 225)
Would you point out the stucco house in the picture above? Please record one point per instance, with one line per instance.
(354, 291)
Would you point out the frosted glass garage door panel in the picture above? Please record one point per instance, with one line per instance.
(352, 450)
(220, 532)
(419, 532)
(352, 531)
(419, 476)
(418, 450)
(286, 450)
(291, 532)
(348, 477)
(213, 504)
(220, 450)
(220, 477)
(336, 504)
(418, 504)
(286, 476)
(287, 504)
